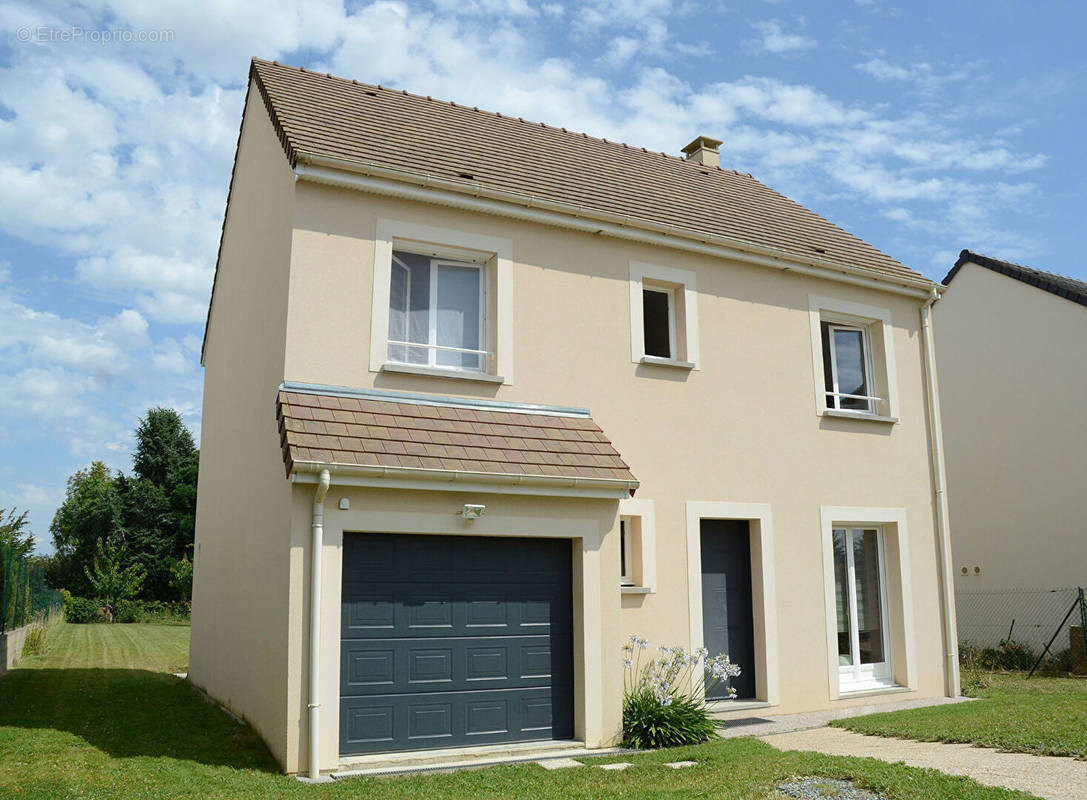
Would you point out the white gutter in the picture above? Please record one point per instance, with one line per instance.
(316, 548)
(943, 521)
(462, 481)
(369, 177)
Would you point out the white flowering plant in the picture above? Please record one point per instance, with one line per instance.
(664, 695)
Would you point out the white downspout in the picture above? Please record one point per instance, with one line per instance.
(316, 546)
(943, 522)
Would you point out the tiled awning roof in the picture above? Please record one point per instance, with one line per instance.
(384, 433)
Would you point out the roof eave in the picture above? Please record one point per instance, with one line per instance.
(350, 174)
(462, 481)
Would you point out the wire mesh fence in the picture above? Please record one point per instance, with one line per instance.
(1017, 628)
(24, 596)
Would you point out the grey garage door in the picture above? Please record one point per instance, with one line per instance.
(450, 641)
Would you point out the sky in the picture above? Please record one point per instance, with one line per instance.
(924, 128)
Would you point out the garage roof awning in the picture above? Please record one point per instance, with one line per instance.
(376, 437)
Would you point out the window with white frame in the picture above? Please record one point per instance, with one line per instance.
(663, 316)
(847, 367)
(860, 593)
(438, 312)
(626, 551)
(659, 321)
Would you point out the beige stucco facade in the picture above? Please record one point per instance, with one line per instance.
(1012, 362)
(736, 436)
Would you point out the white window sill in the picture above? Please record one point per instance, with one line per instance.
(635, 589)
(869, 690)
(859, 415)
(657, 361)
(438, 372)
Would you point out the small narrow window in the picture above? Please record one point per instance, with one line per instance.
(626, 553)
(659, 322)
(847, 368)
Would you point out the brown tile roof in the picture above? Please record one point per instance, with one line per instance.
(320, 116)
(436, 434)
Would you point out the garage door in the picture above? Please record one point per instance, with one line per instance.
(451, 641)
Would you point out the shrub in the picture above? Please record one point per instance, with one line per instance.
(663, 699)
(80, 610)
(157, 611)
(1008, 655)
(34, 644)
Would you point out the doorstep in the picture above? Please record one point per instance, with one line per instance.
(463, 757)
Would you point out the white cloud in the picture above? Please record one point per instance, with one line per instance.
(774, 38)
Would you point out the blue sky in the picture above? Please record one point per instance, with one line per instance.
(921, 127)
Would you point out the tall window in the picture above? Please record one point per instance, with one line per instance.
(847, 368)
(659, 321)
(861, 604)
(436, 312)
(626, 552)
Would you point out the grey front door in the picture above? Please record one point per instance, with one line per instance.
(451, 641)
(728, 623)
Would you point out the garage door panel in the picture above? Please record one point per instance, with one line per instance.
(454, 640)
(405, 665)
(423, 721)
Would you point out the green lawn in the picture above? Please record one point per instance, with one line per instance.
(1046, 716)
(100, 716)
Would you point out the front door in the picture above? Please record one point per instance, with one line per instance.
(728, 623)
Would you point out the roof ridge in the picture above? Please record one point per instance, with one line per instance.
(493, 114)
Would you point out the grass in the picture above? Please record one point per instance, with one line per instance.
(100, 716)
(1044, 716)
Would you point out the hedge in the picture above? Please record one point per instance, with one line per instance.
(81, 610)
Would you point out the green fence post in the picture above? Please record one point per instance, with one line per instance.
(3, 589)
(1083, 622)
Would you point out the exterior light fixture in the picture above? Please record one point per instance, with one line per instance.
(472, 512)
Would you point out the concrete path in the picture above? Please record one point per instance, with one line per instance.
(751, 723)
(1045, 776)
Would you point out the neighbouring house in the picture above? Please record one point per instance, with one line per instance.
(1012, 366)
(484, 397)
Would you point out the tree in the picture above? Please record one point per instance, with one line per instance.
(15, 532)
(91, 511)
(163, 446)
(109, 581)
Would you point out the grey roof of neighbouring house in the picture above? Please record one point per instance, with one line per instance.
(319, 116)
(1060, 285)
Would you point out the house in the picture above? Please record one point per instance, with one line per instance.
(1012, 367)
(525, 393)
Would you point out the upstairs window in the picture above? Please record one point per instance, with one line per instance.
(847, 368)
(659, 321)
(437, 312)
(626, 551)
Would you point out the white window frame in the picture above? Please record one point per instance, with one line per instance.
(892, 521)
(858, 676)
(670, 293)
(642, 511)
(661, 278)
(432, 347)
(835, 394)
(497, 251)
(845, 313)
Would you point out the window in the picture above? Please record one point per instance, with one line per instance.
(860, 598)
(626, 552)
(441, 303)
(847, 368)
(853, 360)
(637, 547)
(437, 312)
(659, 321)
(663, 316)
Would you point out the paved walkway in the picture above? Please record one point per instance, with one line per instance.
(753, 724)
(1045, 776)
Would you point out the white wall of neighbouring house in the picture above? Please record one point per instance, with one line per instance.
(1012, 363)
